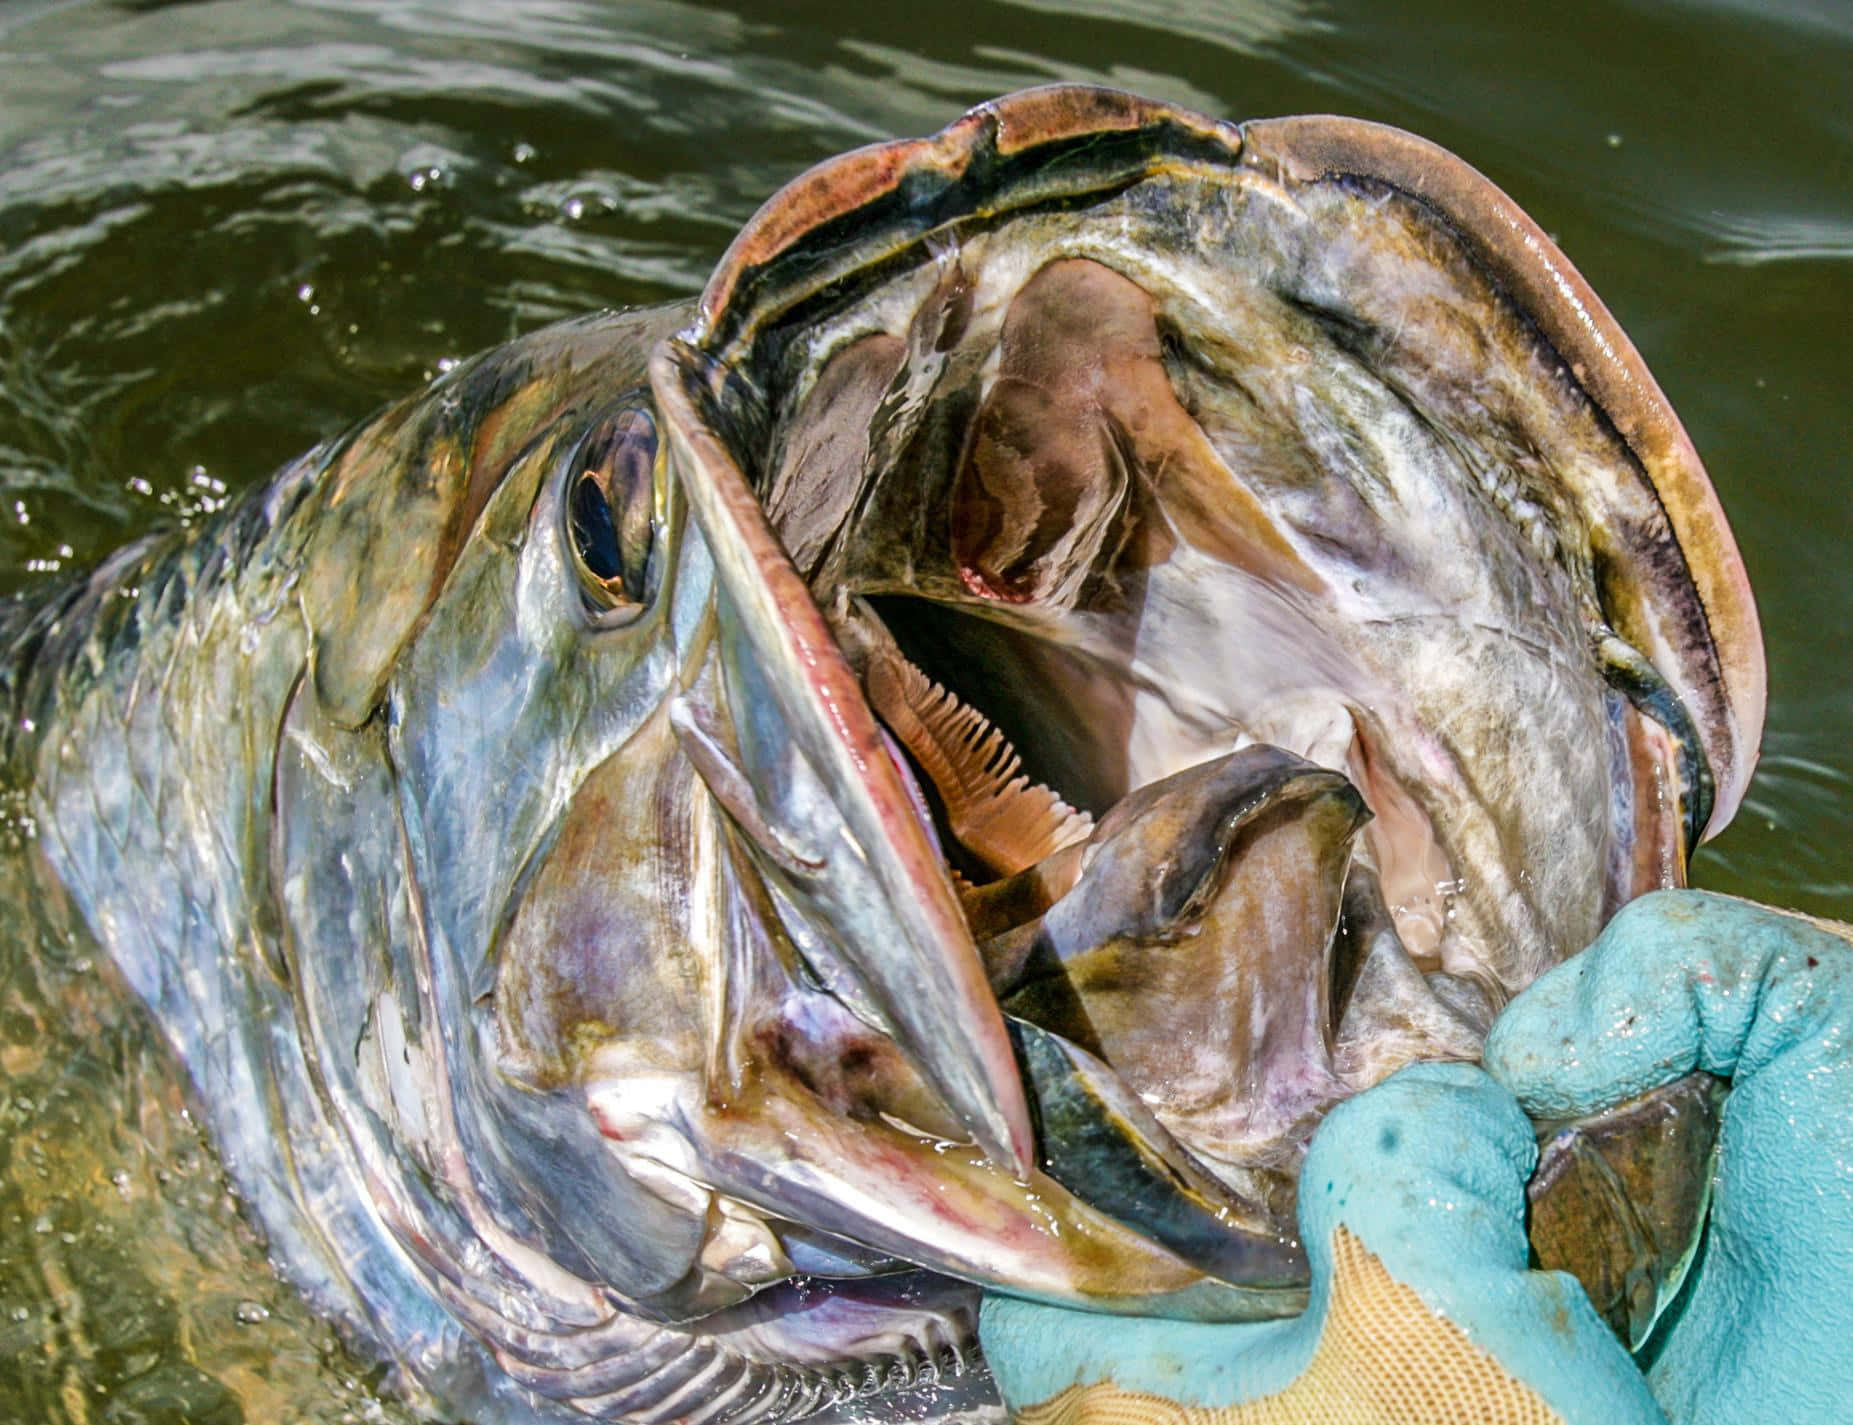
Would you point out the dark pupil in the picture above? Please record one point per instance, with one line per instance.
(593, 531)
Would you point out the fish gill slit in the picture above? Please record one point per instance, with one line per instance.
(991, 806)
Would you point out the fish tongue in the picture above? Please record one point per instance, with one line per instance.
(1193, 953)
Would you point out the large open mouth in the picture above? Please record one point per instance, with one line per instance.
(1223, 594)
(1184, 919)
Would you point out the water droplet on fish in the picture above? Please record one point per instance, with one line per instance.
(251, 1313)
(1614, 140)
(524, 152)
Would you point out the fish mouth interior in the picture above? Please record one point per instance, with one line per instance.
(1059, 588)
(1094, 492)
(1030, 751)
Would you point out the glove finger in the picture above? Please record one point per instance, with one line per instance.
(1429, 1164)
(1685, 980)
(1428, 1170)
(1680, 980)
(1037, 1351)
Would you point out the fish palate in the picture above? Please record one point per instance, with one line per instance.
(679, 855)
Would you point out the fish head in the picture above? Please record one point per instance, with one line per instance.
(1101, 634)
(1090, 442)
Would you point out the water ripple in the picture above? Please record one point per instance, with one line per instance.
(1754, 239)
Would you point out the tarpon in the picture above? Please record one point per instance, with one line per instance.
(677, 856)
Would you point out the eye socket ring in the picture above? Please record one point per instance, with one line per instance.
(610, 508)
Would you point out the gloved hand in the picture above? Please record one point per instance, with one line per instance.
(1412, 1205)
(1680, 980)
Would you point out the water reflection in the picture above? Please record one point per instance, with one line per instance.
(131, 1289)
(1247, 27)
(1753, 239)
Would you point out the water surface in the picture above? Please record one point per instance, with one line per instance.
(229, 229)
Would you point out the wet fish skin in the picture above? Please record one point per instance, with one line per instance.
(187, 713)
(565, 976)
(378, 826)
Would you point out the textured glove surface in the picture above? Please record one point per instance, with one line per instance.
(1682, 980)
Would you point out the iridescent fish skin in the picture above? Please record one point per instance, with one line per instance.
(577, 829)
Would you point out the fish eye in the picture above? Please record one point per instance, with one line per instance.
(610, 504)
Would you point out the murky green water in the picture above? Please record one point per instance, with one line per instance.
(230, 228)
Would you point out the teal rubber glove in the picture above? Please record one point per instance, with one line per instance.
(1763, 1331)
(1427, 1171)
